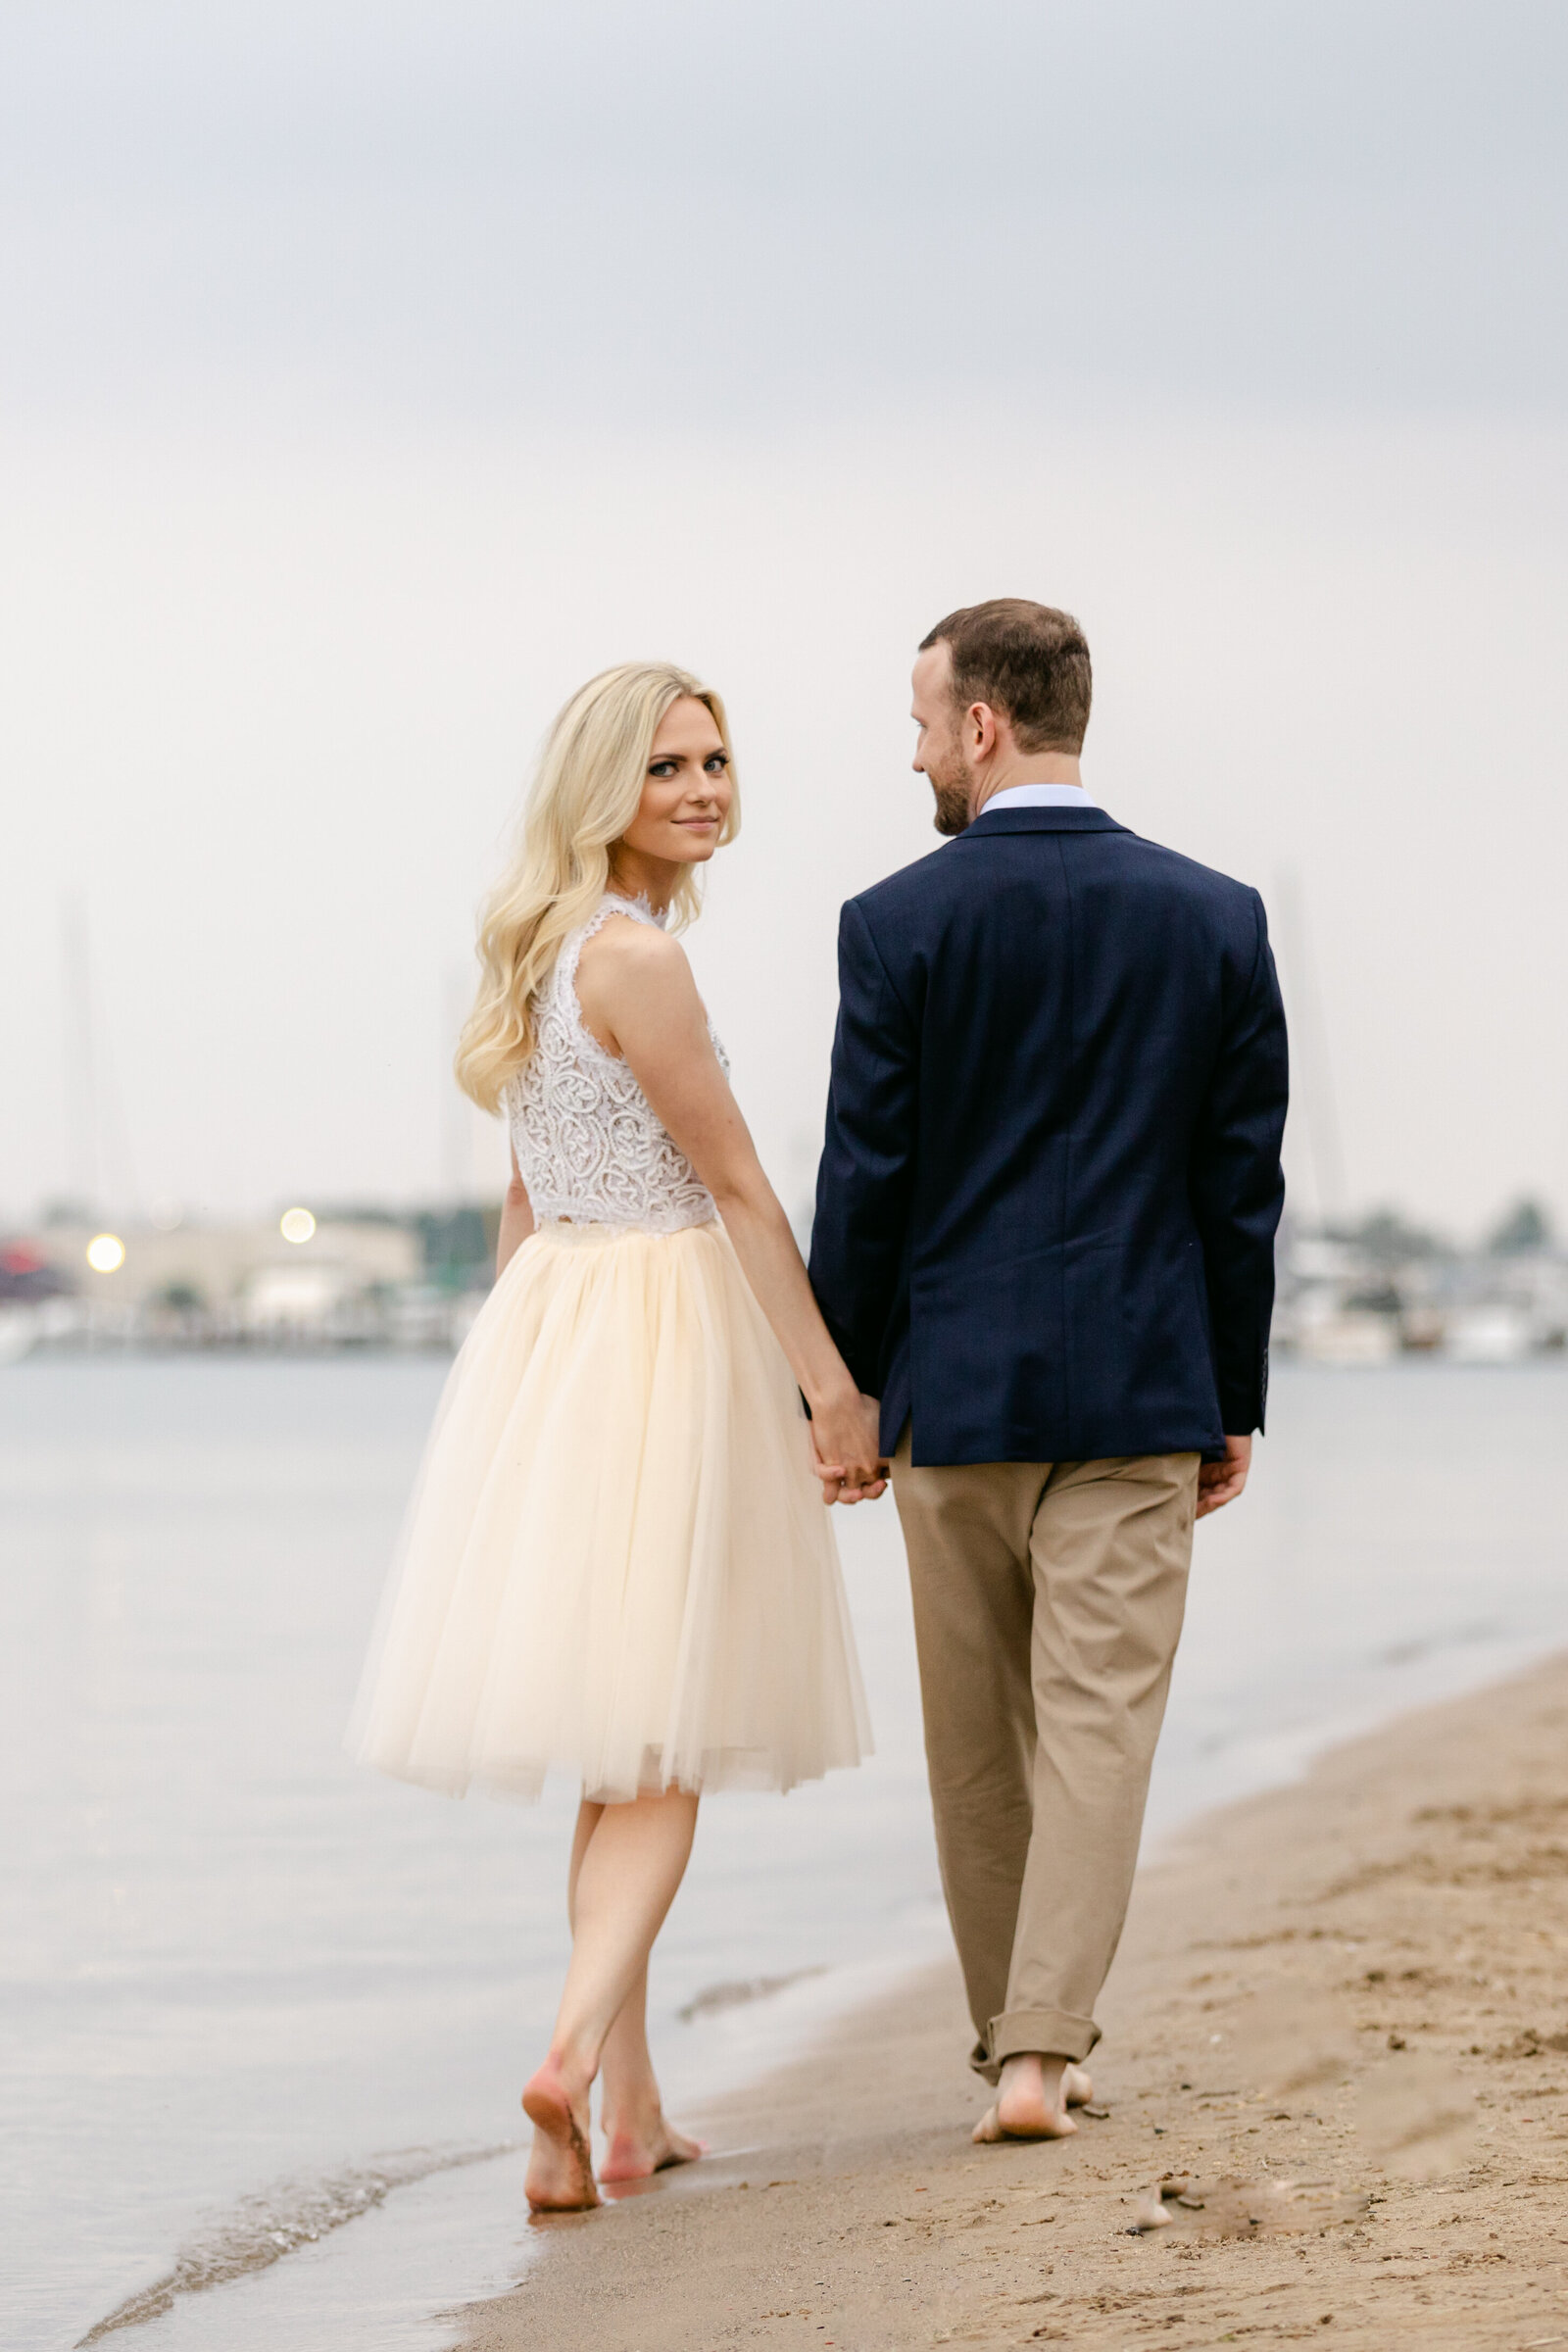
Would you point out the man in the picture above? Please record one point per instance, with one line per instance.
(1044, 1239)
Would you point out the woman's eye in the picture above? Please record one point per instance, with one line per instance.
(663, 767)
(717, 763)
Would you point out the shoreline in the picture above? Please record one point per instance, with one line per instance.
(1338, 2013)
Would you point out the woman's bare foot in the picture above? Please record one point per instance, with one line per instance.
(561, 2170)
(1033, 2099)
(638, 2150)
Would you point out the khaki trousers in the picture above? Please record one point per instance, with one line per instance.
(1047, 1606)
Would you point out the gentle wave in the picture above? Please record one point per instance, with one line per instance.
(277, 2220)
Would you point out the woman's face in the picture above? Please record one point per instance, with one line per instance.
(686, 789)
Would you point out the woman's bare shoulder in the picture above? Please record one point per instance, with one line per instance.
(626, 953)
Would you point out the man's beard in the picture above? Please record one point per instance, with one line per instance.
(952, 789)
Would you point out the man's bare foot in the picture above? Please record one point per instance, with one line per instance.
(1033, 2099)
(638, 2150)
(561, 2170)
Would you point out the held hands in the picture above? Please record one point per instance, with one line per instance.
(1219, 1482)
(850, 1462)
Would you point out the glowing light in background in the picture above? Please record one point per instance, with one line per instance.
(296, 1224)
(106, 1252)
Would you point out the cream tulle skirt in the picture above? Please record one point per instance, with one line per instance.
(617, 1560)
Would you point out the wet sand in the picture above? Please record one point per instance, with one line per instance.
(1336, 2063)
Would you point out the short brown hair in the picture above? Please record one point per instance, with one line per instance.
(1027, 661)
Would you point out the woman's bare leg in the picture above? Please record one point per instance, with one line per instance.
(641, 2141)
(588, 1814)
(627, 1862)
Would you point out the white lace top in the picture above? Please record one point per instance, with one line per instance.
(590, 1147)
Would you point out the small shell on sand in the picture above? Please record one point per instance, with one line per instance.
(1148, 2213)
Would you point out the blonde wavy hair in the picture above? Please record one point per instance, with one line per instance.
(585, 792)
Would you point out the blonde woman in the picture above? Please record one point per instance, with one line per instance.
(617, 1560)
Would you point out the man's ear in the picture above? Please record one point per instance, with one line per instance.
(981, 721)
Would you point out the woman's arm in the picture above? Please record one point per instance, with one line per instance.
(516, 1220)
(638, 996)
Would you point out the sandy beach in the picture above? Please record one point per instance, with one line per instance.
(1335, 2095)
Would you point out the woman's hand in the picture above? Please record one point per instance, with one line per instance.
(845, 1437)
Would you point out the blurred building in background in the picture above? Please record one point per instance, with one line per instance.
(1361, 1294)
(344, 1278)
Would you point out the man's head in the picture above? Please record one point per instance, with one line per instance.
(1002, 694)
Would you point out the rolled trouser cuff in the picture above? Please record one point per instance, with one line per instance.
(1046, 2033)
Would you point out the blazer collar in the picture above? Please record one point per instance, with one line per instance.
(1041, 821)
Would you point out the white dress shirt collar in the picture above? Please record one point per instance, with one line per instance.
(1041, 796)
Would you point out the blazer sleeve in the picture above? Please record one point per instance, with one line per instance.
(865, 1180)
(1238, 1185)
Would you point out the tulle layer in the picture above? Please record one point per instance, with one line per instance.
(617, 1560)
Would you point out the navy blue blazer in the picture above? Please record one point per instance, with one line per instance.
(1046, 1204)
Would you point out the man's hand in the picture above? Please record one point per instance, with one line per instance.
(850, 1461)
(1219, 1482)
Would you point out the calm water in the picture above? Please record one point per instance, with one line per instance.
(251, 1990)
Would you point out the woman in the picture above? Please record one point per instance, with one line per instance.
(616, 1558)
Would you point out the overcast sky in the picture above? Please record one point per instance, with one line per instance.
(375, 374)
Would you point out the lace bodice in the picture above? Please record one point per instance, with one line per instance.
(589, 1143)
